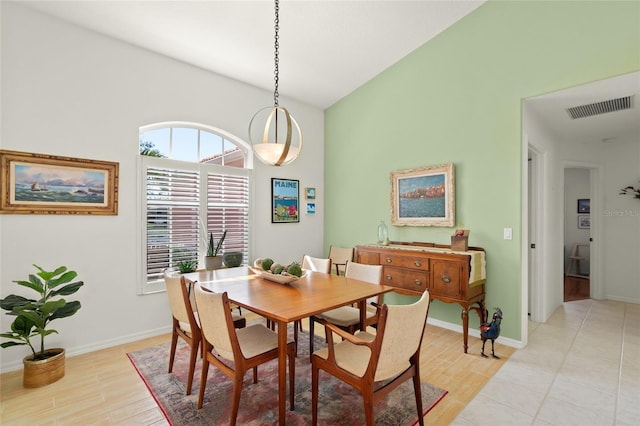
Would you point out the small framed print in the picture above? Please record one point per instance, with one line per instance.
(310, 193)
(584, 205)
(584, 221)
(311, 208)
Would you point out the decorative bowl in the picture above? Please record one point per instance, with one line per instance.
(278, 278)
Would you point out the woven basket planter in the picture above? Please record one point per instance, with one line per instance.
(43, 372)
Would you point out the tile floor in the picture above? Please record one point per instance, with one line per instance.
(581, 367)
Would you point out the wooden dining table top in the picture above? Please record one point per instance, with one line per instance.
(311, 294)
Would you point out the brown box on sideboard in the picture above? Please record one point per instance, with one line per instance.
(459, 243)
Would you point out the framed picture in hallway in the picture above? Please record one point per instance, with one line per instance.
(584, 221)
(47, 184)
(584, 205)
(423, 196)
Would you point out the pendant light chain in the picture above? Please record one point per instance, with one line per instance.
(276, 58)
(272, 149)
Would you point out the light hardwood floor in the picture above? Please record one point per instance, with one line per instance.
(103, 388)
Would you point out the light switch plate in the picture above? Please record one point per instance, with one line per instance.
(508, 233)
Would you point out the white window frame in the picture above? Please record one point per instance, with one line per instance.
(144, 162)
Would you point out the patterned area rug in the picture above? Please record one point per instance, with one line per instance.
(338, 404)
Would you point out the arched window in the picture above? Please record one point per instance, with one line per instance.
(195, 180)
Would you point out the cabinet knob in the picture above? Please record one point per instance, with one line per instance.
(389, 277)
(417, 263)
(388, 259)
(418, 282)
(446, 279)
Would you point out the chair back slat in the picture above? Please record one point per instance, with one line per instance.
(176, 300)
(363, 272)
(402, 336)
(316, 264)
(340, 256)
(215, 313)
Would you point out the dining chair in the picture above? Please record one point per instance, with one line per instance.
(348, 317)
(365, 360)
(243, 348)
(186, 323)
(339, 257)
(315, 264)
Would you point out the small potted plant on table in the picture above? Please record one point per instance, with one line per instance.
(44, 366)
(213, 260)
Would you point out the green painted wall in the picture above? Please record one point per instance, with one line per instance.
(458, 99)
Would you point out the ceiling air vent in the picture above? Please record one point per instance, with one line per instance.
(600, 107)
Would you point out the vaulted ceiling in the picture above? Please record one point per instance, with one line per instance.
(327, 48)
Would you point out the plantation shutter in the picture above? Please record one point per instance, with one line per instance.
(181, 203)
(228, 209)
(173, 218)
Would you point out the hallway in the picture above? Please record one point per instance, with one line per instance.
(582, 367)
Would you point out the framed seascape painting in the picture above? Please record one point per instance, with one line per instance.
(47, 184)
(423, 196)
(285, 196)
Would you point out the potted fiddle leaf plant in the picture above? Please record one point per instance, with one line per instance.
(213, 260)
(33, 316)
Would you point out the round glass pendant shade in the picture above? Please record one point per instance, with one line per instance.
(279, 140)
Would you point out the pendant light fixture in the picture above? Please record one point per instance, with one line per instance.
(277, 146)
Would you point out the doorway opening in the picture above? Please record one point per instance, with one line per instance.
(577, 233)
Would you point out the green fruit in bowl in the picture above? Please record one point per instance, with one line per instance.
(266, 264)
(274, 266)
(295, 269)
(278, 269)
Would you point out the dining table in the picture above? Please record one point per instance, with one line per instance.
(282, 303)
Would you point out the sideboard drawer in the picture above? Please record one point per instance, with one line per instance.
(405, 261)
(446, 279)
(406, 279)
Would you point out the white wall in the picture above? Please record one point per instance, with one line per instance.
(620, 218)
(70, 92)
(576, 186)
(550, 291)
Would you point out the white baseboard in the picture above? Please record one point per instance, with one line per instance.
(104, 344)
(475, 333)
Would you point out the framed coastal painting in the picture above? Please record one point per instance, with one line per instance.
(423, 196)
(47, 184)
(285, 197)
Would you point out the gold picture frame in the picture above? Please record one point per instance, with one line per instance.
(423, 196)
(48, 184)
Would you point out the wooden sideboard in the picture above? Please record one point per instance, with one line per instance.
(450, 276)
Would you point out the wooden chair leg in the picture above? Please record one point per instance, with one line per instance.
(192, 364)
(314, 395)
(172, 353)
(292, 373)
(203, 379)
(367, 396)
(418, 392)
(311, 334)
(237, 391)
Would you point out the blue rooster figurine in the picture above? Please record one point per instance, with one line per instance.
(491, 331)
